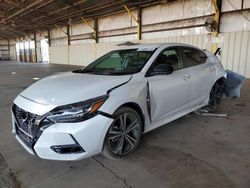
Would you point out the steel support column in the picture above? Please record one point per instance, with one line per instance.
(35, 47)
(94, 28)
(68, 34)
(137, 20)
(242, 4)
(49, 39)
(217, 9)
(25, 54)
(9, 47)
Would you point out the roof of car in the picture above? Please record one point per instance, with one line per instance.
(156, 45)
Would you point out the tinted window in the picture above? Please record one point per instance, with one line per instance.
(171, 57)
(120, 62)
(193, 57)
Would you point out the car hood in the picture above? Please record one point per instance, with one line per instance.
(67, 88)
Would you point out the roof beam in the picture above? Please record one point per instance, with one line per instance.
(24, 9)
(78, 13)
(61, 29)
(137, 20)
(42, 20)
(94, 28)
(37, 8)
(59, 10)
(10, 2)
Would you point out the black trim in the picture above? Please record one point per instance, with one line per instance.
(119, 85)
(68, 149)
(148, 102)
(105, 114)
(217, 51)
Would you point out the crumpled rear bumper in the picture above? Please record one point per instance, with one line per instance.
(233, 84)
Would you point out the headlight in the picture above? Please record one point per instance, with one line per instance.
(76, 112)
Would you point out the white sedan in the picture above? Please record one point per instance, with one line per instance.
(107, 106)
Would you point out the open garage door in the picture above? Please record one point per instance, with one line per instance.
(45, 50)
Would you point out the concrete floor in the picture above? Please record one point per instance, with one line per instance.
(193, 151)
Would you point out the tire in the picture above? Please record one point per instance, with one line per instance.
(216, 95)
(122, 140)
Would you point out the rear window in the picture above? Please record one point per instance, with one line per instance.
(193, 57)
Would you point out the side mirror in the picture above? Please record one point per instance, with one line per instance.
(162, 69)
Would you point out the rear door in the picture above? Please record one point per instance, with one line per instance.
(200, 73)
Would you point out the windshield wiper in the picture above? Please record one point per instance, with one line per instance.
(100, 72)
(82, 71)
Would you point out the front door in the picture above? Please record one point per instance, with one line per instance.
(169, 94)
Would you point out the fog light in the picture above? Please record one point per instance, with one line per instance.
(67, 149)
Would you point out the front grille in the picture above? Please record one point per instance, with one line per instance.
(26, 121)
(25, 125)
(30, 142)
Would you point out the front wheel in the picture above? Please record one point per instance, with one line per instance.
(124, 134)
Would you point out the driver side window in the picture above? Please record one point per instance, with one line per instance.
(170, 56)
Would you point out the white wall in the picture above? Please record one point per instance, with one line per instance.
(13, 50)
(82, 54)
(4, 49)
(235, 50)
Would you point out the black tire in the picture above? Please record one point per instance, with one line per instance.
(216, 95)
(122, 140)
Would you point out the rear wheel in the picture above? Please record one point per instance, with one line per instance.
(124, 134)
(216, 95)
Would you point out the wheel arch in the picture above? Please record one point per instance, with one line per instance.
(220, 79)
(138, 109)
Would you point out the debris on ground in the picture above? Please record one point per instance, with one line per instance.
(205, 112)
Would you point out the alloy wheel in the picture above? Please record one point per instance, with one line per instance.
(124, 134)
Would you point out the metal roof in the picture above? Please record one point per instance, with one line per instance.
(21, 17)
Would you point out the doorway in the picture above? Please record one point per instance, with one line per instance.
(45, 50)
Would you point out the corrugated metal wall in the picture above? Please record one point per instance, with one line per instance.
(234, 37)
(235, 50)
(80, 54)
(4, 50)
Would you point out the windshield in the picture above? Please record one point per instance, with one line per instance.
(120, 62)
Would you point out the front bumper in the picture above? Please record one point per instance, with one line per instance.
(89, 135)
